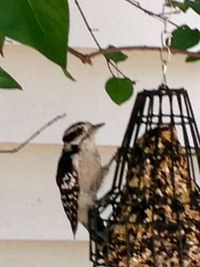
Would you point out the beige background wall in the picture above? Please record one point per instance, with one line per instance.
(48, 93)
(44, 254)
(34, 231)
(30, 206)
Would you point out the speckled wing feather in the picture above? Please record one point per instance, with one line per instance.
(68, 183)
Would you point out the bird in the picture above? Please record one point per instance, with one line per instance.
(79, 172)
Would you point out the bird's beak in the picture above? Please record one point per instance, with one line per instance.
(97, 126)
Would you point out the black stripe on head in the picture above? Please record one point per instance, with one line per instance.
(71, 136)
(73, 132)
(81, 123)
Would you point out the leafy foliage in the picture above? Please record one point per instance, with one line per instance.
(35, 23)
(190, 59)
(43, 25)
(184, 37)
(115, 56)
(180, 5)
(119, 89)
(195, 5)
(7, 82)
(68, 75)
(1, 44)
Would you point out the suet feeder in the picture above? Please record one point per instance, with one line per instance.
(151, 215)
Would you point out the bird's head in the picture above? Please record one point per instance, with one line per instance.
(79, 132)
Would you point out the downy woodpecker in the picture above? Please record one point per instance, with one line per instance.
(79, 172)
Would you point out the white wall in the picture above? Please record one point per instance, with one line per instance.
(30, 206)
(47, 93)
(44, 254)
(121, 24)
(32, 221)
(34, 230)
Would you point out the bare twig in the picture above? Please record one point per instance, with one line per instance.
(109, 62)
(87, 58)
(82, 57)
(150, 13)
(87, 24)
(109, 67)
(104, 51)
(117, 69)
(28, 140)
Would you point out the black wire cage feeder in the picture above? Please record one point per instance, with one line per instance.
(151, 215)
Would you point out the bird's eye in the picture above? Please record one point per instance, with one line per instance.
(72, 135)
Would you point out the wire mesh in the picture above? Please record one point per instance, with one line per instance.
(151, 215)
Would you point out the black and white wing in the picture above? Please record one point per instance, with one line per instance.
(68, 183)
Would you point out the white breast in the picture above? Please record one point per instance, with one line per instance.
(89, 169)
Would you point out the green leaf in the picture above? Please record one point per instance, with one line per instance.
(2, 38)
(191, 59)
(116, 56)
(41, 24)
(195, 5)
(184, 37)
(68, 75)
(7, 82)
(119, 89)
(182, 6)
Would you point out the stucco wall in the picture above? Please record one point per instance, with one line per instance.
(47, 93)
(30, 206)
(32, 221)
(44, 254)
(34, 230)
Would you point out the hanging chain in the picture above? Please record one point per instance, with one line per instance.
(165, 42)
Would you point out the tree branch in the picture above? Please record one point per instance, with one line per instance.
(150, 13)
(87, 24)
(34, 135)
(82, 57)
(96, 41)
(87, 58)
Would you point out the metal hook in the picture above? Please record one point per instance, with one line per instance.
(165, 44)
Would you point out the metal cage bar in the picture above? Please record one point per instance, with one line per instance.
(151, 215)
